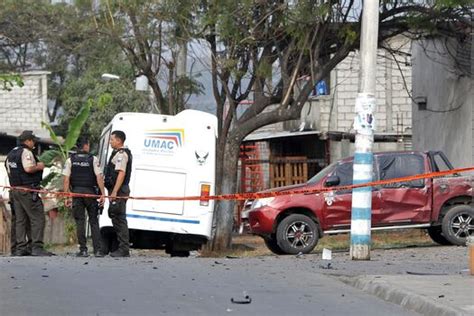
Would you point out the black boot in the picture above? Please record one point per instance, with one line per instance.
(82, 253)
(99, 254)
(21, 253)
(120, 253)
(40, 252)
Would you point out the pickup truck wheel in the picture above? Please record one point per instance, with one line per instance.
(458, 224)
(297, 233)
(272, 244)
(436, 235)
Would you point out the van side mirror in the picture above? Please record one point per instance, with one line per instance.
(332, 181)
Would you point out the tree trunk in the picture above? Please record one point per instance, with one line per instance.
(224, 210)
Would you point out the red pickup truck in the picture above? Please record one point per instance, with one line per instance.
(291, 224)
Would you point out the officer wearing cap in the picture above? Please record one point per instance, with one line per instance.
(117, 178)
(82, 174)
(25, 171)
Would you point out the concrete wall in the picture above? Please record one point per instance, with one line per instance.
(23, 108)
(447, 123)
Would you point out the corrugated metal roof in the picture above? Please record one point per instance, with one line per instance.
(281, 134)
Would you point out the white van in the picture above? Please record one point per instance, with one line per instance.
(173, 156)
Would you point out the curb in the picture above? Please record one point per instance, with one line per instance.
(409, 300)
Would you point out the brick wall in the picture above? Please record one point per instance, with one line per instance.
(25, 107)
(335, 112)
(393, 79)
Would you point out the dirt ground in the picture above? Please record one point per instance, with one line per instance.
(247, 245)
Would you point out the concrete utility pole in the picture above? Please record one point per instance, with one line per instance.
(364, 124)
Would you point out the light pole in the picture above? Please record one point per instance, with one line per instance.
(364, 124)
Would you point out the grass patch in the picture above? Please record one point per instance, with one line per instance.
(253, 246)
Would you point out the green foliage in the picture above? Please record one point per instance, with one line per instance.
(76, 124)
(264, 69)
(56, 140)
(111, 98)
(8, 81)
(348, 35)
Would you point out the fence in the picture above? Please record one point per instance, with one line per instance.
(54, 232)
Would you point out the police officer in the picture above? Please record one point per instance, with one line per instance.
(25, 171)
(82, 174)
(117, 177)
(13, 242)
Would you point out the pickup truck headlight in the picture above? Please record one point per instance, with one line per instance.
(261, 202)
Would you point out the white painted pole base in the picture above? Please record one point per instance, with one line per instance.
(360, 252)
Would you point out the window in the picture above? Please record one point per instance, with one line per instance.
(345, 173)
(440, 163)
(321, 174)
(104, 147)
(398, 166)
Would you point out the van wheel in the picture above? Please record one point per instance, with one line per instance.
(272, 244)
(436, 235)
(181, 253)
(297, 233)
(458, 224)
(173, 252)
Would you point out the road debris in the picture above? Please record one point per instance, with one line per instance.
(328, 266)
(327, 254)
(247, 300)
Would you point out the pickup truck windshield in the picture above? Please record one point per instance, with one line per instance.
(321, 174)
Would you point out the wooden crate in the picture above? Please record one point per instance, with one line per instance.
(288, 170)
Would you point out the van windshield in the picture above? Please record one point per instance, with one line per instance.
(321, 174)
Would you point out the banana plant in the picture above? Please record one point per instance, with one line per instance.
(55, 158)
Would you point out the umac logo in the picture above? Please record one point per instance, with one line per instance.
(165, 140)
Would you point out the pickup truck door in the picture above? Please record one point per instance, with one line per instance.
(337, 207)
(407, 202)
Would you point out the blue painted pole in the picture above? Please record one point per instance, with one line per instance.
(364, 126)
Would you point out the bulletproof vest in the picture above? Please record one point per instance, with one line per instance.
(111, 174)
(82, 170)
(17, 175)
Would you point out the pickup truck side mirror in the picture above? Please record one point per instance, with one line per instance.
(332, 181)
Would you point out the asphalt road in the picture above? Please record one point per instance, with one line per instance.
(177, 286)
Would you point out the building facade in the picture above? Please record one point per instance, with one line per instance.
(324, 133)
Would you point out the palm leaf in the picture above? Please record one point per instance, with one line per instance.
(75, 126)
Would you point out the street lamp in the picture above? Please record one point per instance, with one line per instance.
(109, 77)
(141, 84)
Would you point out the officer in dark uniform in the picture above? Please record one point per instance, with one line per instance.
(117, 178)
(82, 174)
(24, 170)
(13, 242)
